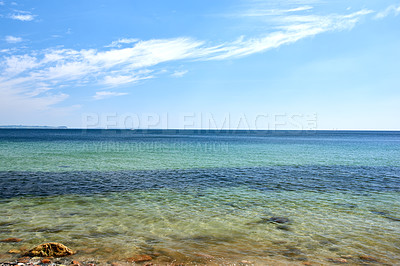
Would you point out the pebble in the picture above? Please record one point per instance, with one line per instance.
(337, 260)
(14, 251)
(23, 260)
(46, 261)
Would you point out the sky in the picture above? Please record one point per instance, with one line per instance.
(237, 64)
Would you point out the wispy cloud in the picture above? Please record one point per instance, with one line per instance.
(41, 75)
(22, 16)
(118, 43)
(13, 39)
(292, 29)
(107, 94)
(179, 74)
(261, 12)
(393, 9)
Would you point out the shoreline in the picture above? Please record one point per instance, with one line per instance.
(91, 257)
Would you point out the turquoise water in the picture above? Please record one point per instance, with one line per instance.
(203, 197)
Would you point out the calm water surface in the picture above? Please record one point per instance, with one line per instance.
(203, 197)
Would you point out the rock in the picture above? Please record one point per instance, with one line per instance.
(49, 250)
(139, 258)
(75, 262)
(338, 260)
(46, 261)
(14, 251)
(11, 239)
(346, 256)
(368, 258)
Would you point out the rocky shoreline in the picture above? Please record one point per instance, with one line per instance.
(57, 254)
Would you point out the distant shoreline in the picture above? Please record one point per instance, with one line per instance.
(33, 127)
(199, 130)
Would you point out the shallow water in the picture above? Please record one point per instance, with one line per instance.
(203, 197)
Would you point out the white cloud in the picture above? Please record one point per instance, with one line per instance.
(107, 94)
(393, 9)
(178, 74)
(13, 39)
(117, 80)
(39, 76)
(261, 12)
(1, 3)
(17, 64)
(23, 17)
(119, 42)
(293, 28)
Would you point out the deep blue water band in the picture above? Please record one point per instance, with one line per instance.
(348, 179)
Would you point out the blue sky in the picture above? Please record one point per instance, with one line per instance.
(255, 64)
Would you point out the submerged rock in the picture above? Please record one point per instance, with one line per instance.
(11, 239)
(338, 260)
(14, 251)
(283, 227)
(273, 219)
(279, 220)
(368, 258)
(50, 250)
(139, 258)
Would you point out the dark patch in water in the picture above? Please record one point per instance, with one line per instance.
(206, 239)
(57, 229)
(7, 223)
(386, 215)
(348, 205)
(346, 179)
(273, 220)
(283, 227)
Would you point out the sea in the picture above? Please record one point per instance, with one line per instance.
(203, 196)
